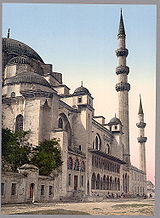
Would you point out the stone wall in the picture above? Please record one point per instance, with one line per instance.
(28, 186)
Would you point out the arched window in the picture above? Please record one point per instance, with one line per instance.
(76, 165)
(108, 149)
(97, 142)
(101, 184)
(107, 182)
(83, 166)
(13, 95)
(110, 186)
(70, 163)
(93, 181)
(98, 182)
(60, 123)
(118, 184)
(115, 184)
(104, 182)
(19, 123)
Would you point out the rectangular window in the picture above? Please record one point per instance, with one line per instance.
(50, 190)
(69, 179)
(81, 180)
(42, 189)
(79, 100)
(13, 189)
(2, 188)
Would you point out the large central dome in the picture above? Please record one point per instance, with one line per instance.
(12, 48)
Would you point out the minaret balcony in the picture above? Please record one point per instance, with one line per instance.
(122, 52)
(122, 70)
(122, 86)
(141, 125)
(142, 139)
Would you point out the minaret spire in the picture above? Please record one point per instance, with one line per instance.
(121, 30)
(123, 87)
(141, 139)
(140, 106)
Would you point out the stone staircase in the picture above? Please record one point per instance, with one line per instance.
(76, 196)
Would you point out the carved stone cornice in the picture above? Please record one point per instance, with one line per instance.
(142, 139)
(141, 124)
(122, 70)
(10, 100)
(122, 86)
(122, 52)
(36, 93)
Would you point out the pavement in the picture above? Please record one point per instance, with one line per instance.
(105, 207)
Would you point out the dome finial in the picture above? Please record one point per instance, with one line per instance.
(8, 33)
(81, 83)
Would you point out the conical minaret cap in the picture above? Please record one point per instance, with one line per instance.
(140, 106)
(121, 30)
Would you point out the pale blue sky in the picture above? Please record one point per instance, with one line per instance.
(80, 41)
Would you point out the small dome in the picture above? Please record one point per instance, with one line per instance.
(20, 60)
(114, 121)
(28, 166)
(81, 90)
(28, 77)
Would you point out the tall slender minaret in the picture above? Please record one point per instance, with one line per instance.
(141, 139)
(123, 87)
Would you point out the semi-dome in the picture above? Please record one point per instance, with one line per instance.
(81, 90)
(12, 48)
(115, 121)
(28, 77)
(20, 60)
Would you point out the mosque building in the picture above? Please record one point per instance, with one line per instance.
(95, 154)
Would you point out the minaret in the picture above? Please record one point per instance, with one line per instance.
(141, 139)
(123, 87)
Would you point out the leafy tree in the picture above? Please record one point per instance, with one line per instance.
(15, 149)
(47, 156)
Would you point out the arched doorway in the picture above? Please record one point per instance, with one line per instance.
(88, 187)
(32, 185)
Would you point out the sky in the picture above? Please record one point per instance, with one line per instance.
(80, 41)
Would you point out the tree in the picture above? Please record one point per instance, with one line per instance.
(15, 149)
(47, 156)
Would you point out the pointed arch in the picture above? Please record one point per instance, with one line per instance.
(64, 124)
(19, 123)
(60, 123)
(97, 142)
(93, 181)
(98, 182)
(70, 163)
(76, 165)
(82, 166)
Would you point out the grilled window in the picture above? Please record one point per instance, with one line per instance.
(50, 190)
(42, 189)
(13, 189)
(2, 188)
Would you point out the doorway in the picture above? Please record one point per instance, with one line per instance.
(32, 192)
(75, 182)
